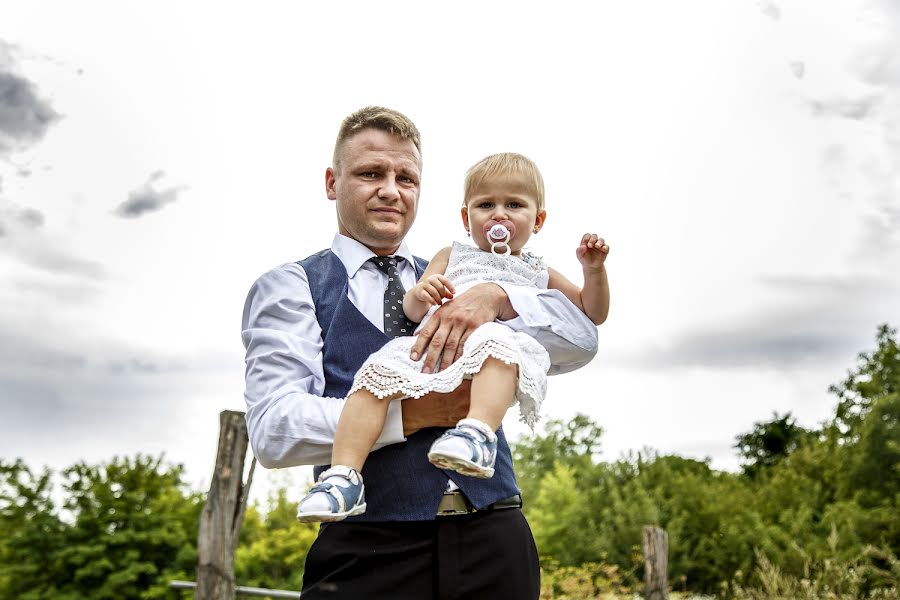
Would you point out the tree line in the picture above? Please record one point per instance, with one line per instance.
(812, 513)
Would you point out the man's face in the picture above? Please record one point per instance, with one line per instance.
(376, 188)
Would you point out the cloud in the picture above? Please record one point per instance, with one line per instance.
(88, 395)
(848, 108)
(142, 365)
(149, 197)
(25, 117)
(37, 252)
(868, 169)
(877, 62)
(23, 238)
(24, 217)
(40, 287)
(769, 9)
(822, 320)
(20, 353)
(777, 343)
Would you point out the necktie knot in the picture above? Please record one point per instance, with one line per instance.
(386, 264)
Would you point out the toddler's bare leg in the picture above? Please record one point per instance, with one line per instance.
(492, 392)
(361, 422)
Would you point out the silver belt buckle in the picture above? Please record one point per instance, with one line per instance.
(453, 503)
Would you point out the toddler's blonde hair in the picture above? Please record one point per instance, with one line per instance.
(504, 163)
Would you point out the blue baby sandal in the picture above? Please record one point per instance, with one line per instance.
(470, 448)
(338, 494)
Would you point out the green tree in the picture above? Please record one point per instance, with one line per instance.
(31, 534)
(126, 528)
(877, 374)
(273, 545)
(135, 523)
(769, 442)
(575, 443)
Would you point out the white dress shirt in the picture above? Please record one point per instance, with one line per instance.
(290, 423)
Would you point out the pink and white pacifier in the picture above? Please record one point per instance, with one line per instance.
(498, 235)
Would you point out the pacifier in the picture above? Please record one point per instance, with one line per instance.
(498, 235)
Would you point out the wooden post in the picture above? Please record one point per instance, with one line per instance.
(655, 543)
(220, 521)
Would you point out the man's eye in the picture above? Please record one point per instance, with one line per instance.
(367, 175)
(405, 179)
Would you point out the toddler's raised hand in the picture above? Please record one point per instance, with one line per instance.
(592, 252)
(433, 289)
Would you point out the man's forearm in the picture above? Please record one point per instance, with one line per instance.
(505, 310)
(559, 326)
(436, 410)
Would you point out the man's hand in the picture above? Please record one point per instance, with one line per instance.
(451, 325)
(592, 252)
(436, 410)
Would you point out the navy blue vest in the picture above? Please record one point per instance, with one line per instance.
(401, 485)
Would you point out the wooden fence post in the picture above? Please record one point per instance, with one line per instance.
(220, 521)
(655, 544)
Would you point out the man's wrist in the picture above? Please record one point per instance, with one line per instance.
(505, 311)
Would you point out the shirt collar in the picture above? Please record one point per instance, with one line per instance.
(354, 255)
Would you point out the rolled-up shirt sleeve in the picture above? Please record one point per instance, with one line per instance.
(568, 335)
(288, 420)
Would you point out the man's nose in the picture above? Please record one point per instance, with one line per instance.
(389, 190)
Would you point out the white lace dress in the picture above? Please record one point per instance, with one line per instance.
(390, 370)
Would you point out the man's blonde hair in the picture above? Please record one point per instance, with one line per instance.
(375, 117)
(504, 163)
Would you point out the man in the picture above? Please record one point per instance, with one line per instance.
(307, 328)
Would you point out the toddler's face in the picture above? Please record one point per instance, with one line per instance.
(507, 199)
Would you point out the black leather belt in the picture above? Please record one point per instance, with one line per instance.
(456, 503)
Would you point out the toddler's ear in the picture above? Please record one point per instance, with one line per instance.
(464, 212)
(539, 220)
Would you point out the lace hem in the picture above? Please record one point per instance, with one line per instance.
(383, 381)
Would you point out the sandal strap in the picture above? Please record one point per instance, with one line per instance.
(333, 494)
(341, 471)
(476, 446)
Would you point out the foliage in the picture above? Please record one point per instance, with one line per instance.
(769, 442)
(871, 574)
(808, 502)
(813, 514)
(32, 536)
(574, 443)
(129, 525)
(587, 581)
(273, 545)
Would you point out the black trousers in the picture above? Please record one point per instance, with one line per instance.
(487, 555)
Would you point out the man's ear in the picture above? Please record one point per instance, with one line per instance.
(539, 220)
(329, 183)
(465, 217)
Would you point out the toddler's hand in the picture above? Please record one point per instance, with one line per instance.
(433, 290)
(592, 252)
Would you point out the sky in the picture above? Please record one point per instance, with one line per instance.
(742, 160)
